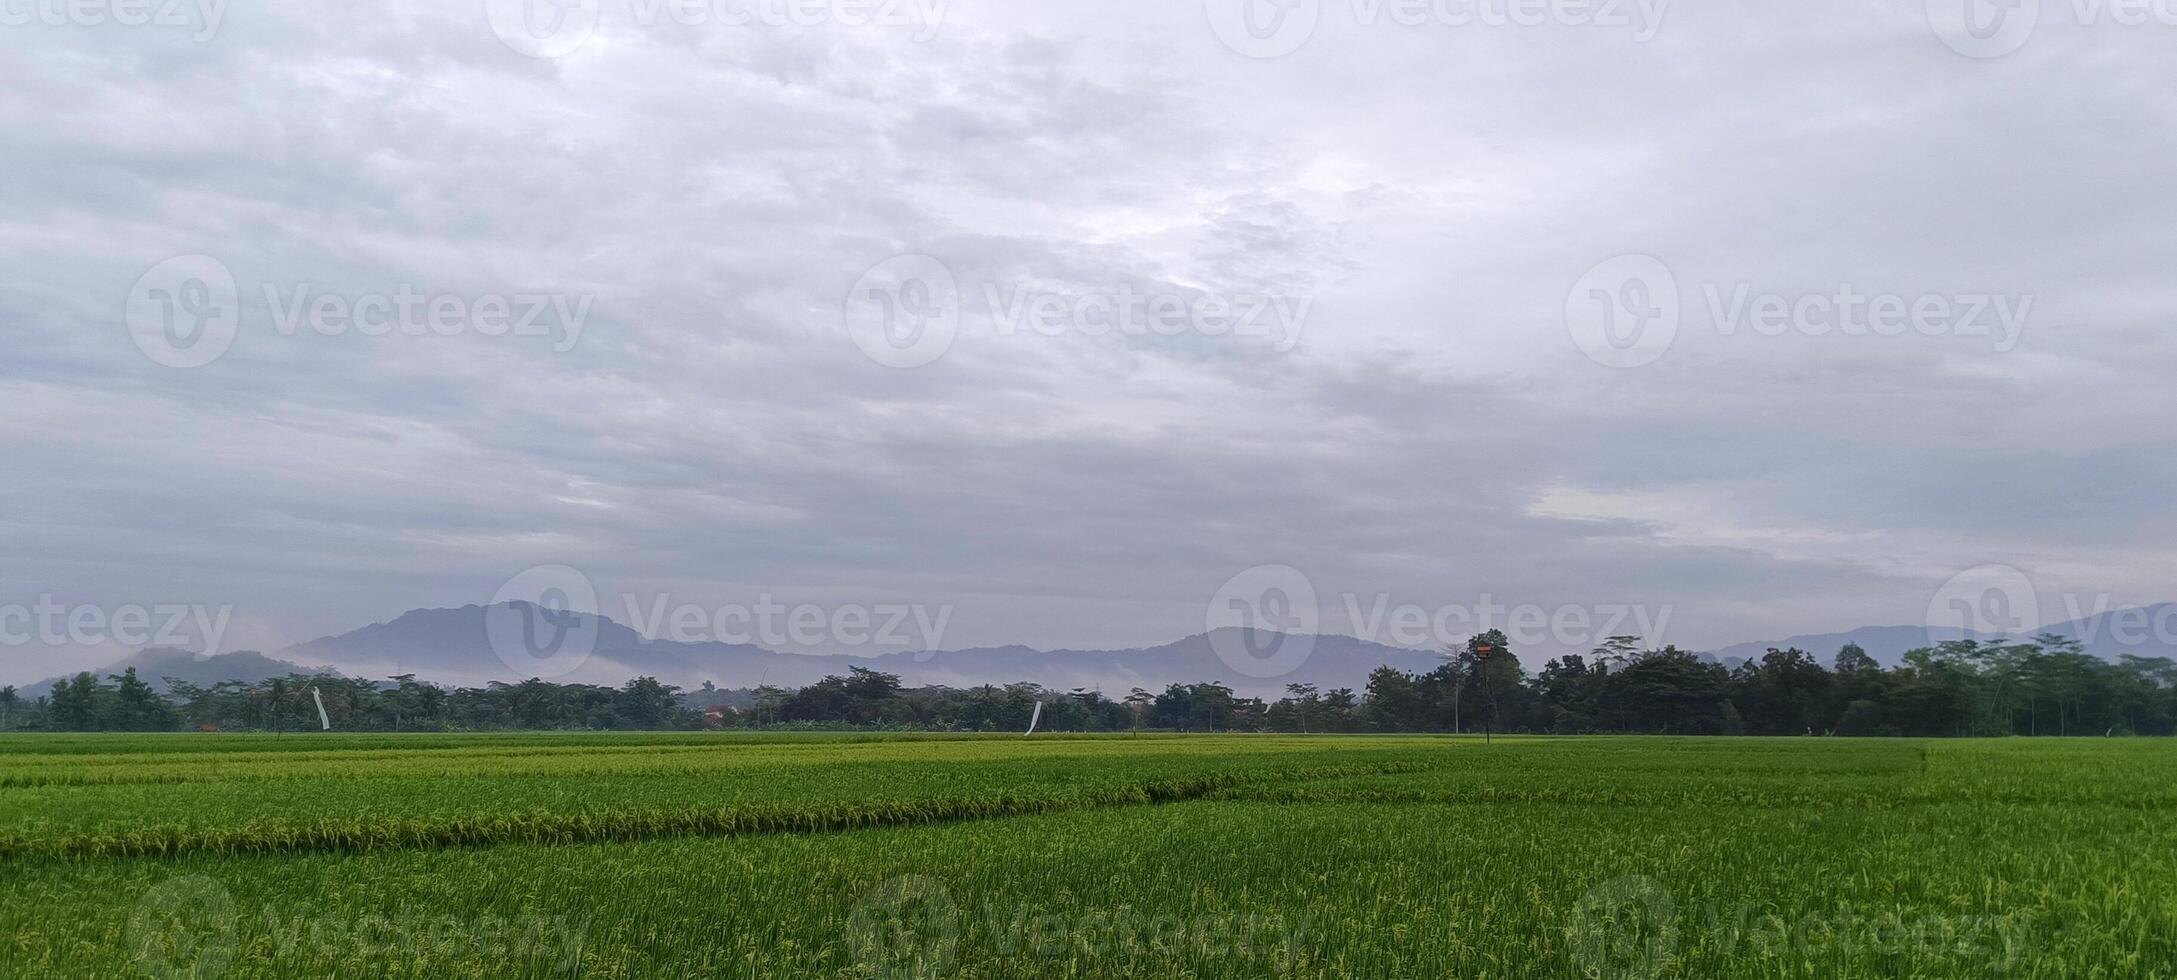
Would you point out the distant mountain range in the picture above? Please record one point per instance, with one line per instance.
(452, 646)
(2140, 631)
(154, 664)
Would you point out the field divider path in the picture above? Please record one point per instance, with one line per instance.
(627, 826)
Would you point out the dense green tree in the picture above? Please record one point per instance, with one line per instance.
(1492, 681)
(1194, 707)
(1299, 711)
(75, 703)
(646, 703)
(1394, 701)
(1785, 693)
(2045, 686)
(137, 708)
(1667, 691)
(1861, 718)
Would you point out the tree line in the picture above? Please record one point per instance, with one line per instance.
(2045, 686)
(125, 703)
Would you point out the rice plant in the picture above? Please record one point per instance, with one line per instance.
(1220, 858)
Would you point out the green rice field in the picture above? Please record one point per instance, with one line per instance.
(707, 855)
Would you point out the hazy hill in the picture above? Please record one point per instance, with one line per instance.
(451, 645)
(155, 664)
(2141, 631)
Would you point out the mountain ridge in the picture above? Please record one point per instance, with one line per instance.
(452, 645)
(2145, 631)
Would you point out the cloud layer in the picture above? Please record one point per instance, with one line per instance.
(702, 201)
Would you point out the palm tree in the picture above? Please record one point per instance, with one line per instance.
(274, 695)
(1140, 700)
(8, 700)
(1303, 698)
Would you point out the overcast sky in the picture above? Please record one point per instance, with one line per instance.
(1384, 253)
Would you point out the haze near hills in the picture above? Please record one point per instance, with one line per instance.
(451, 646)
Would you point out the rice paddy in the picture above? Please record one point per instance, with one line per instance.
(1245, 856)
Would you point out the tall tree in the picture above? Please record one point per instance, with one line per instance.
(1493, 678)
(1304, 700)
(1667, 691)
(75, 703)
(138, 708)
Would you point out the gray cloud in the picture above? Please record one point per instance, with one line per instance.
(1431, 192)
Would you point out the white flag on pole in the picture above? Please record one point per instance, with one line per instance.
(321, 718)
(1035, 719)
